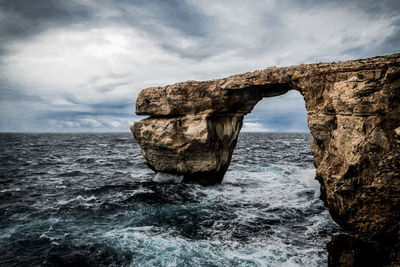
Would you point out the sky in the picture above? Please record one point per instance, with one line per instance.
(78, 65)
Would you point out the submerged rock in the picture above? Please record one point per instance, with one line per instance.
(354, 118)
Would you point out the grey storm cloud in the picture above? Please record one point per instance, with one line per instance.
(79, 64)
(23, 19)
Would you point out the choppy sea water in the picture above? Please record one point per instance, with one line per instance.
(90, 200)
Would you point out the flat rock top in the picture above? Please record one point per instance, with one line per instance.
(174, 99)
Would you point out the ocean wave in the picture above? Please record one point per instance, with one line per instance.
(91, 200)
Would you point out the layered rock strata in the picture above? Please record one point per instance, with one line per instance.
(354, 118)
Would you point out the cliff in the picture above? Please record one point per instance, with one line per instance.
(354, 118)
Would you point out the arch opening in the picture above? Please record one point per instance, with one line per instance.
(283, 113)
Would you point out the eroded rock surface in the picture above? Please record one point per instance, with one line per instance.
(354, 118)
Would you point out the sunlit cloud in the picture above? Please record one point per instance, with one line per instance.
(250, 127)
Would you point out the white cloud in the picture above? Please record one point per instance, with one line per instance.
(100, 123)
(331, 30)
(249, 127)
(78, 61)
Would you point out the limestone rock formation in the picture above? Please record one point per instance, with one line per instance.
(354, 118)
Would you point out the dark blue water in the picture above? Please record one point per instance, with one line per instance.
(90, 200)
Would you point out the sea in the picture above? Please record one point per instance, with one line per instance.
(88, 199)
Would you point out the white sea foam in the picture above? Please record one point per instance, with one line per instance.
(167, 178)
(79, 198)
(10, 190)
(307, 176)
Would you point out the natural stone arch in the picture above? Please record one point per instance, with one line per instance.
(354, 118)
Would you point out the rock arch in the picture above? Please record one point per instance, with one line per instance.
(354, 118)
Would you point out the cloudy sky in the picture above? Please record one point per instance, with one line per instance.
(79, 65)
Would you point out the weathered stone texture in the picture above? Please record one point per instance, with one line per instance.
(354, 118)
(196, 146)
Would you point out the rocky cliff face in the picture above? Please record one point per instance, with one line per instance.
(353, 116)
